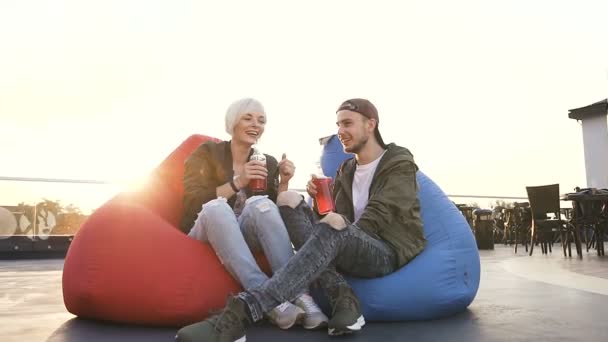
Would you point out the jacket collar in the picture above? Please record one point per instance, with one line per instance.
(351, 166)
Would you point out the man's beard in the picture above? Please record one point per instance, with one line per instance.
(358, 147)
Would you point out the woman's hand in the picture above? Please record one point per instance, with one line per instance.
(253, 169)
(286, 169)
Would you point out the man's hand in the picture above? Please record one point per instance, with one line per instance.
(336, 221)
(311, 188)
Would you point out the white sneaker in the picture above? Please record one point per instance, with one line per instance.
(314, 318)
(286, 315)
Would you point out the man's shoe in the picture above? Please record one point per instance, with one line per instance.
(346, 312)
(314, 318)
(228, 326)
(285, 315)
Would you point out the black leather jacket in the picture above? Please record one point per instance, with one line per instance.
(210, 166)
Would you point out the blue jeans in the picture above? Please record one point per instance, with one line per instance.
(259, 228)
(323, 252)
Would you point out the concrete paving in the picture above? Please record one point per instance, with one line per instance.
(521, 298)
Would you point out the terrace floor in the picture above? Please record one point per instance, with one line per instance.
(521, 298)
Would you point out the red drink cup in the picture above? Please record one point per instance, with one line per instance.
(324, 199)
(257, 185)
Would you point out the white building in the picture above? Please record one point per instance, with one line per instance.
(595, 141)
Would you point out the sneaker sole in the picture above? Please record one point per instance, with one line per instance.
(242, 339)
(299, 319)
(348, 329)
(319, 325)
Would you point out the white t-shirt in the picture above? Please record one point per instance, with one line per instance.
(361, 183)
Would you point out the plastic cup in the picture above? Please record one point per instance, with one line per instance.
(324, 199)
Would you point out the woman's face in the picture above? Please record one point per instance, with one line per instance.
(249, 128)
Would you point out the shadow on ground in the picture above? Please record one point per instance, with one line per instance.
(461, 325)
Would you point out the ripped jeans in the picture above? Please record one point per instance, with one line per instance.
(323, 252)
(259, 228)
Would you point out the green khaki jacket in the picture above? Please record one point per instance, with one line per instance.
(393, 211)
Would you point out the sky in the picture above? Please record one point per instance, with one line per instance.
(479, 91)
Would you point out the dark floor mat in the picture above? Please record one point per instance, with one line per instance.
(440, 330)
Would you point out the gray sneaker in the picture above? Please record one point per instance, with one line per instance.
(285, 315)
(346, 312)
(314, 318)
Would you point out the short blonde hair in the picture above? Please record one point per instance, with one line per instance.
(239, 108)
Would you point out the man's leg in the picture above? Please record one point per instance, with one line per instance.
(346, 313)
(327, 243)
(364, 257)
(298, 217)
(299, 220)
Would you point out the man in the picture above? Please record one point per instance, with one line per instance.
(377, 191)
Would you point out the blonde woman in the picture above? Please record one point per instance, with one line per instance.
(221, 210)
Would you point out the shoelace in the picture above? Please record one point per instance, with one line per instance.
(346, 301)
(225, 320)
(309, 304)
(283, 307)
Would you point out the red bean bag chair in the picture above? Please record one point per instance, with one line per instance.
(130, 263)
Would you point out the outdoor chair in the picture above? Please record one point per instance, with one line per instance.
(546, 218)
(521, 222)
(508, 233)
(498, 216)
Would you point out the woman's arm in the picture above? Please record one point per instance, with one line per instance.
(228, 189)
(286, 170)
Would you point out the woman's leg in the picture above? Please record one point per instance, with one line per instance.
(264, 231)
(217, 225)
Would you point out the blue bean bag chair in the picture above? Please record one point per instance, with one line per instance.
(441, 281)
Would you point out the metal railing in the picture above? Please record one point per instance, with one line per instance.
(54, 180)
(27, 215)
(93, 181)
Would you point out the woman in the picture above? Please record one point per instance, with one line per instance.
(221, 210)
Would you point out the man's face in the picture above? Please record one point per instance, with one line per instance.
(249, 128)
(354, 130)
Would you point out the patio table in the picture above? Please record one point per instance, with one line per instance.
(590, 209)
